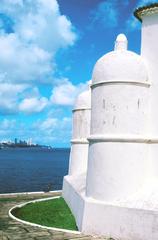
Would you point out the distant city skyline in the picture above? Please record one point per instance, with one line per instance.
(21, 143)
(48, 51)
(18, 141)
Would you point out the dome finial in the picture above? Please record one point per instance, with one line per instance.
(121, 42)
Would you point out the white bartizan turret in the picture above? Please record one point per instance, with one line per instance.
(74, 183)
(80, 132)
(118, 125)
(118, 197)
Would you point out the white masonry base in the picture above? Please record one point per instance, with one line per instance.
(116, 220)
(73, 194)
(119, 222)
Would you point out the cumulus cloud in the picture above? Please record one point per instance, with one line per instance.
(47, 131)
(33, 105)
(48, 124)
(40, 22)
(31, 33)
(7, 127)
(6, 124)
(38, 31)
(22, 63)
(51, 130)
(65, 93)
(9, 95)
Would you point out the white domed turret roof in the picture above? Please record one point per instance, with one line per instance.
(83, 101)
(120, 65)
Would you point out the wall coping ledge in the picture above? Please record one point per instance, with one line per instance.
(123, 138)
(80, 141)
(127, 82)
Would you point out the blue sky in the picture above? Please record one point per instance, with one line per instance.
(48, 49)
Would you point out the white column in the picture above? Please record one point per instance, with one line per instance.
(149, 51)
(118, 154)
(81, 130)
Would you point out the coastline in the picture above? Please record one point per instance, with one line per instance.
(3, 195)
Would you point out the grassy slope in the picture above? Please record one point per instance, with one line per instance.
(51, 213)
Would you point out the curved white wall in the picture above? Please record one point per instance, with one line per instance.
(81, 123)
(118, 159)
(149, 51)
(79, 147)
(81, 130)
(120, 109)
(120, 199)
(119, 172)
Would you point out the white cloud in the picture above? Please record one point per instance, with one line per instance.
(39, 30)
(49, 131)
(6, 124)
(53, 130)
(22, 63)
(7, 127)
(66, 92)
(28, 51)
(30, 92)
(33, 105)
(48, 124)
(9, 95)
(42, 24)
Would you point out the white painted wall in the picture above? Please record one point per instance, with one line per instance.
(74, 183)
(116, 170)
(120, 223)
(118, 160)
(119, 196)
(120, 109)
(81, 123)
(73, 190)
(78, 158)
(149, 51)
(81, 130)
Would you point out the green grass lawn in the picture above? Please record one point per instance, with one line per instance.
(51, 213)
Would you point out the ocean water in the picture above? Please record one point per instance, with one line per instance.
(32, 169)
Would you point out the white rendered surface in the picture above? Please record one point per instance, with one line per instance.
(149, 51)
(73, 192)
(121, 223)
(78, 158)
(116, 170)
(74, 183)
(120, 109)
(120, 65)
(83, 101)
(121, 42)
(120, 196)
(117, 167)
(80, 132)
